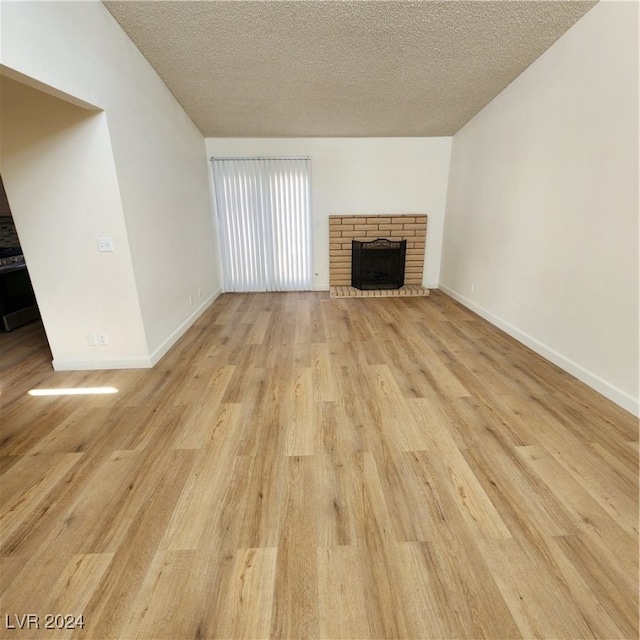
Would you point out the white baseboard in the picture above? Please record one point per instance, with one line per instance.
(602, 386)
(138, 362)
(158, 353)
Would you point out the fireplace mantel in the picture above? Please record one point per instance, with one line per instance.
(345, 228)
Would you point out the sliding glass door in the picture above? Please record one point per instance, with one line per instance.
(264, 215)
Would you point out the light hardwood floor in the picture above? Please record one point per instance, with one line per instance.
(306, 467)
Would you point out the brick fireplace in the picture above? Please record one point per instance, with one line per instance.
(344, 229)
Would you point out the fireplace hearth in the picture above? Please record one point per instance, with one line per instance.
(378, 264)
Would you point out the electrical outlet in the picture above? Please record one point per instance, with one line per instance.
(102, 339)
(472, 287)
(105, 243)
(190, 299)
(92, 339)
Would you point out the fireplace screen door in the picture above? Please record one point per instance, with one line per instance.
(264, 216)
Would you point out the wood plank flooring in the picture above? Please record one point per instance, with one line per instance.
(306, 467)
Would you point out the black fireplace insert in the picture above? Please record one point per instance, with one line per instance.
(378, 264)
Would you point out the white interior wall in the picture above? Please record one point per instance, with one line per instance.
(77, 49)
(57, 161)
(542, 210)
(362, 176)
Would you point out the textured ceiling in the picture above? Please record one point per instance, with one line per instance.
(291, 68)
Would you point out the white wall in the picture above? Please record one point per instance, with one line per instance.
(542, 210)
(77, 49)
(57, 159)
(363, 175)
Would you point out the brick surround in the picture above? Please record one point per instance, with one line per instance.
(344, 229)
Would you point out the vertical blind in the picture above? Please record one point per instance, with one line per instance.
(264, 217)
